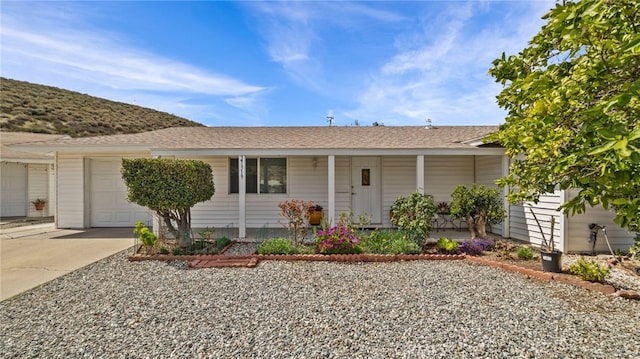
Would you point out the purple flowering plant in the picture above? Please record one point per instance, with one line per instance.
(476, 246)
(337, 240)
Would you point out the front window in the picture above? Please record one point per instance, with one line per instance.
(272, 175)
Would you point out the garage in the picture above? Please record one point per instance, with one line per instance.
(109, 205)
(14, 189)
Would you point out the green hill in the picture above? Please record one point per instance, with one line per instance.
(44, 109)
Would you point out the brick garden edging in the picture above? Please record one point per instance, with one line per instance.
(558, 277)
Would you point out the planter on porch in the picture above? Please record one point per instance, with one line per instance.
(315, 215)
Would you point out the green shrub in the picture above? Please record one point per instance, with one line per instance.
(281, 245)
(447, 245)
(525, 253)
(634, 250)
(145, 236)
(589, 270)
(221, 243)
(414, 216)
(178, 251)
(388, 242)
(164, 250)
(403, 245)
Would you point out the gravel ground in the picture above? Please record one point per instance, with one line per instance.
(432, 309)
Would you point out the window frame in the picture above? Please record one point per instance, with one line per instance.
(259, 172)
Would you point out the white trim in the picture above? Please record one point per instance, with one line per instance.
(282, 152)
(242, 196)
(27, 160)
(420, 174)
(506, 228)
(331, 188)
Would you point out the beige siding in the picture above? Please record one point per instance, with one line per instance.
(222, 209)
(488, 170)
(578, 232)
(523, 226)
(444, 173)
(398, 179)
(307, 180)
(70, 199)
(343, 185)
(38, 187)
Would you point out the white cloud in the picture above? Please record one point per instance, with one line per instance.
(39, 48)
(292, 31)
(440, 70)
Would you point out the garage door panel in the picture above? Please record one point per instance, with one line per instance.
(14, 190)
(109, 205)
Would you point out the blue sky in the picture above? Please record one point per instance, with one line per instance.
(275, 63)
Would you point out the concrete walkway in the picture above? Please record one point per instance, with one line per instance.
(33, 255)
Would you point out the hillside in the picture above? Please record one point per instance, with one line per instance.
(44, 109)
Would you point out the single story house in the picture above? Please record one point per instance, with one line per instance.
(362, 169)
(26, 177)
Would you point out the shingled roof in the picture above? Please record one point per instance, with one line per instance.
(11, 138)
(328, 137)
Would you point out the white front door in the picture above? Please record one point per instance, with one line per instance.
(365, 187)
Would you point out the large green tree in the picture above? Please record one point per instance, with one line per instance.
(170, 188)
(573, 105)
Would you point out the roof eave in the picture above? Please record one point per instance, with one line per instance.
(49, 148)
(278, 152)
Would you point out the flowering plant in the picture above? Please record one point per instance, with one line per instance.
(337, 240)
(476, 246)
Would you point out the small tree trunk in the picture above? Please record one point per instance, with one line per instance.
(481, 226)
(472, 226)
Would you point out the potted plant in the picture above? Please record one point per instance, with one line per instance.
(550, 257)
(39, 203)
(315, 214)
(478, 206)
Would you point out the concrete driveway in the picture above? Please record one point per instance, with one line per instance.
(33, 255)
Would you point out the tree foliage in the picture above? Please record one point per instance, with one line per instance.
(414, 216)
(478, 205)
(170, 188)
(573, 102)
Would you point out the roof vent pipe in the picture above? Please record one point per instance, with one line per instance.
(429, 124)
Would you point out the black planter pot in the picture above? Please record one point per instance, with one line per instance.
(551, 261)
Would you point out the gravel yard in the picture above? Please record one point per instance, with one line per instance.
(116, 308)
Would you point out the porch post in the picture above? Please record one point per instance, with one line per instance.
(331, 189)
(506, 231)
(420, 174)
(242, 196)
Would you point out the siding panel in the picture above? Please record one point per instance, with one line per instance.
(70, 199)
(398, 179)
(38, 187)
(523, 226)
(444, 173)
(579, 232)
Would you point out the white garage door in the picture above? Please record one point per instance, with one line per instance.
(14, 190)
(109, 205)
